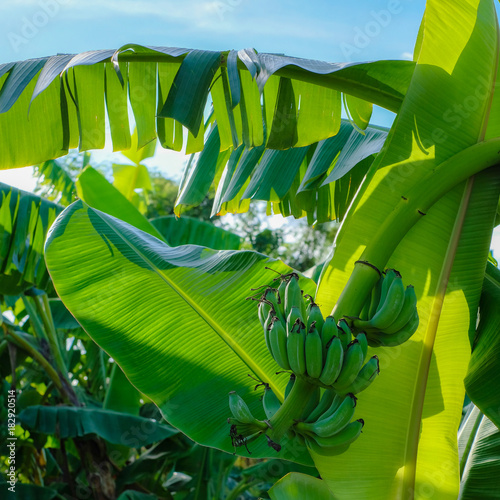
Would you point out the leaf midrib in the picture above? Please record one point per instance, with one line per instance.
(413, 434)
(419, 392)
(210, 322)
(471, 443)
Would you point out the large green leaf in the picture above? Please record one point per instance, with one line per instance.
(174, 319)
(25, 491)
(96, 191)
(479, 445)
(414, 407)
(61, 316)
(317, 181)
(113, 426)
(191, 231)
(24, 222)
(483, 376)
(68, 97)
(54, 176)
(297, 485)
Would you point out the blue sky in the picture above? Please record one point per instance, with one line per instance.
(313, 29)
(334, 31)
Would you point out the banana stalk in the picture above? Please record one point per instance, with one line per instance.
(412, 206)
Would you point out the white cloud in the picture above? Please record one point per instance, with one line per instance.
(407, 55)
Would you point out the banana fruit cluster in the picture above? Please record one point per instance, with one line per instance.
(326, 425)
(329, 429)
(327, 361)
(389, 316)
(316, 348)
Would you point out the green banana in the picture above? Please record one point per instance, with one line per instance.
(270, 296)
(377, 339)
(293, 294)
(323, 405)
(378, 296)
(353, 360)
(281, 296)
(295, 347)
(334, 423)
(345, 333)
(406, 313)
(289, 385)
(338, 442)
(314, 353)
(316, 317)
(240, 409)
(390, 275)
(364, 314)
(292, 318)
(259, 312)
(363, 342)
(375, 298)
(328, 331)
(392, 306)
(388, 311)
(337, 401)
(303, 305)
(333, 363)
(267, 327)
(270, 402)
(264, 308)
(277, 339)
(366, 376)
(314, 399)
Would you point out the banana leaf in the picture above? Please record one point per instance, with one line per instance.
(54, 177)
(297, 485)
(61, 316)
(24, 223)
(95, 190)
(479, 447)
(114, 427)
(24, 491)
(195, 337)
(191, 231)
(483, 374)
(414, 408)
(52, 104)
(318, 180)
(136, 495)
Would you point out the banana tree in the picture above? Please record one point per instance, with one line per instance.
(426, 206)
(45, 347)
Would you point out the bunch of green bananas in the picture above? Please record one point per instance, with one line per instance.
(328, 357)
(312, 347)
(325, 425)
(329, 429)
(389, 316)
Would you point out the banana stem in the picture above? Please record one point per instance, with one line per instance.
(291, 409)
(34, 318)
(16, 339)
(412, 207)
(43, 308)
